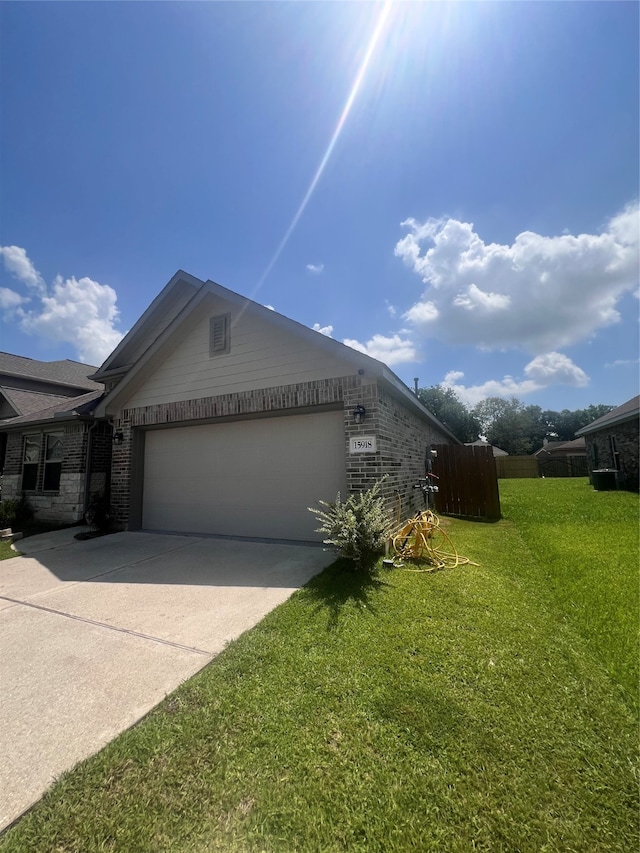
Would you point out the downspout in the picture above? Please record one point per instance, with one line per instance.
(87, 472)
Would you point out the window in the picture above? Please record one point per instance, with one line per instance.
(45, 449)
(615, 456)
(30, 462)
(219, 334)
(52, 461)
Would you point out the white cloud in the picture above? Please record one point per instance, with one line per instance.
(476, 299)
(390, 350)
(422, 313)
(79, 312)
(270, 307)
(10, 299)
(623, 362)
(390, 308)
(315, 268)
(552, 368)
(324, 330)
(540, 293)
(18, 264)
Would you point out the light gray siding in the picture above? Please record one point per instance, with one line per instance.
(260, 356)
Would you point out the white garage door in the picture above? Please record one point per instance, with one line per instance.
(246, 478)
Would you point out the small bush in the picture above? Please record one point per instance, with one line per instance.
(8, 512)
(99, 513)
(24, 512)
(357, 527)
(16, 512)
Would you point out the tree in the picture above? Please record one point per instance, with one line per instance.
(521, 429)
(445, 404)
(562, 426)
(511, 425)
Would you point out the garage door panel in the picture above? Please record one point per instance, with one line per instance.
(247, 478)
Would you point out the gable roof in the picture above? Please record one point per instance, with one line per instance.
(72, 374)
(67, 408)
(182, 296)
(628, 411)
(479, 442)
(551, 447)
(28, 402)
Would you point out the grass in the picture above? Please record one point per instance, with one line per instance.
(29, 528)
(588, 549)
(465, 710)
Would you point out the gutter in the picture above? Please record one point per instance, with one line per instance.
(615, 421)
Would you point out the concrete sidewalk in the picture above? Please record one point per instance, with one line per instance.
(95, 633)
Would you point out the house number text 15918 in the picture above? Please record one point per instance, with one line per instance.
(362, 444)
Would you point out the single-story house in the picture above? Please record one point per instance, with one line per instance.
(229, 418)
(51, 448)
(481, 442)
(213, 415)
(612, 441)
(563, 458)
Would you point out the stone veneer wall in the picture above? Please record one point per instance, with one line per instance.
(65, 505)
(402, 436)
(627, 445)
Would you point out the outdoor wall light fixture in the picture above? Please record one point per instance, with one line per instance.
(358, 414)
(118, 437)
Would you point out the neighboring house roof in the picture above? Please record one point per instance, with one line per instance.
(577, 445)
(28, 402)
(548, 446)
(497, 451)
(67, 408)
(73, 374)
(628, 411)
(179, 300)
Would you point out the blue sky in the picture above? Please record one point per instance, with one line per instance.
(452, 188)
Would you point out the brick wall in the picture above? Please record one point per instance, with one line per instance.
(402, 437)
(626, 441)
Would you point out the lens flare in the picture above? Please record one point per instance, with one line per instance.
(357, 83)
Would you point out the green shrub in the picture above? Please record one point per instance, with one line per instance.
(8, 512)
(24, 512)
(357, 527)
(99, 513)
(16, 512)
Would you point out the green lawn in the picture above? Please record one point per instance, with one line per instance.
(588, 555)
(480, 708)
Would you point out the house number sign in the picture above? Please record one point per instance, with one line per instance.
(363, 444)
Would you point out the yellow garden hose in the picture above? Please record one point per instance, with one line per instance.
(422, 539)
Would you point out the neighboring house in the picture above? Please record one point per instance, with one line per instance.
(231, 419)
(51, 449)
(563, 458)
(612, 441)
(479, 442)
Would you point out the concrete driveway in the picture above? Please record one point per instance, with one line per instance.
(94, 634)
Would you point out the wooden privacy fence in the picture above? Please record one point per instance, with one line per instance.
(468, 482)
(517, 466)
(572, 466)
(532, 466)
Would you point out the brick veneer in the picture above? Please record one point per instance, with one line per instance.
(626, 439)
(402, 436)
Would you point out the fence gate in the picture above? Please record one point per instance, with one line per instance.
(468, 482)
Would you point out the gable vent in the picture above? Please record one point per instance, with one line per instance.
(219, 334)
